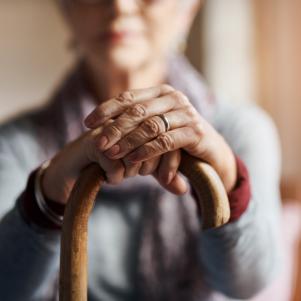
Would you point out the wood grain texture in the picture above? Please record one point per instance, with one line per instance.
(73, 269)
(73, 266)
(213, 198)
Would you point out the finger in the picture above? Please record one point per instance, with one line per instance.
(114, 169)
(131, 169)
(149, 167)
(97, 131)
(131, 118)
(177, 186)
(140, 112)
(150, 129)
(115, 106)
(168, 167)
(185, 137)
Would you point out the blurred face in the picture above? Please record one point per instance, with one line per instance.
(125, 34)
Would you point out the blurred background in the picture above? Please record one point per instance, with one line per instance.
(248, 50)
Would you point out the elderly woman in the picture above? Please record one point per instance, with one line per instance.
(131, 104)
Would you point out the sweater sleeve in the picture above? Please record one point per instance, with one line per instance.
(240, 258)
(29, 254)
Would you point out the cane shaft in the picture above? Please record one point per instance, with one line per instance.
(73, 270)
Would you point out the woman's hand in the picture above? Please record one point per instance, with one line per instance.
(64, 169)
(138, 136)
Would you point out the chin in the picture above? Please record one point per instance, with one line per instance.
(126, 59)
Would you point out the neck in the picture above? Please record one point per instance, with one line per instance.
(106, 84)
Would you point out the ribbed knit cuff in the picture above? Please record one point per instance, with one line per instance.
(240, 195)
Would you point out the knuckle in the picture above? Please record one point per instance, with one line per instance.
(130, 142)
(199, 129)
(165, 88)
(137, 110)
(180, 98)
(191, 113)
(165, 142)
(114, 131)
(151, 127)
(94, 133)
(149, 150)
(126, 97)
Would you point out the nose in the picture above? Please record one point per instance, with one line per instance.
(122, 7)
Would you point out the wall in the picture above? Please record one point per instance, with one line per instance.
(279, 77)
(33, 53)
(229, 49)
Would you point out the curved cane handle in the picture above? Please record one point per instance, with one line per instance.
(73, 267)
(210, 190)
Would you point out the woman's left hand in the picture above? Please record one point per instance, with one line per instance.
(138, 135)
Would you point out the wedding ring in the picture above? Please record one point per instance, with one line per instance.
(166, 122)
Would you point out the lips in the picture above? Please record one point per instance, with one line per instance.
(117, 36)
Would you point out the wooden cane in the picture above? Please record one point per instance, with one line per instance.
(73, 267)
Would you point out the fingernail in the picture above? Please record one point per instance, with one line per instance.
(113, 151)
(103, 141)
(89, 121)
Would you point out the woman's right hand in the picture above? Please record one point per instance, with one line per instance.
(64, 169)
